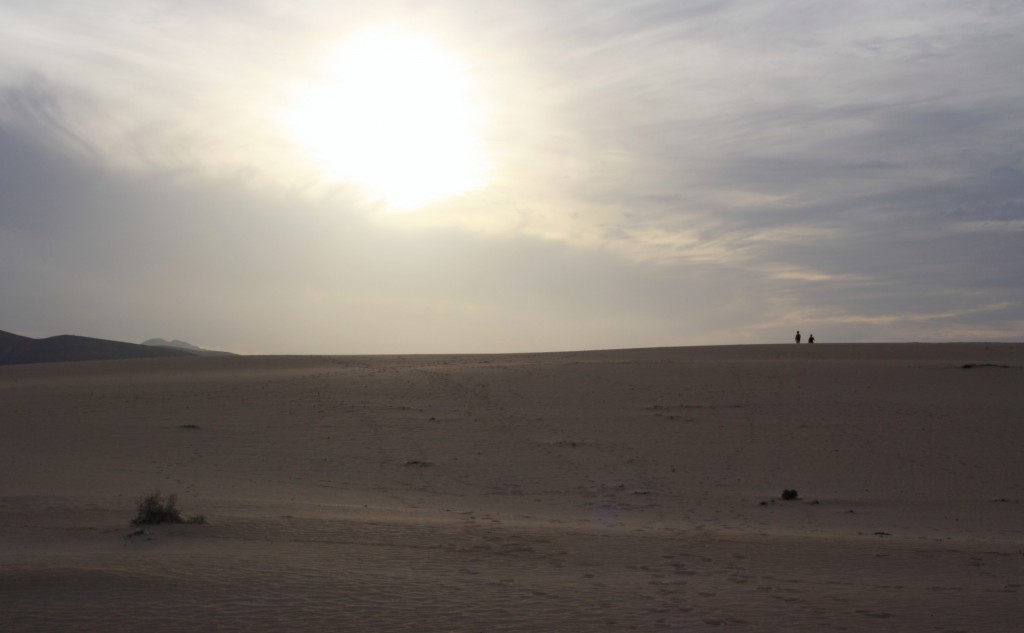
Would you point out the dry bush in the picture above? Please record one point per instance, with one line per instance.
(153, 509)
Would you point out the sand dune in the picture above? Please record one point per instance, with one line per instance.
(590, 491)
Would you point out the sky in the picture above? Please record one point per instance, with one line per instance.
(320, 177)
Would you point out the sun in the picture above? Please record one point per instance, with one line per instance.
(395, 114)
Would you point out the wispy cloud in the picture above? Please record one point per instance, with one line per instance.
(857, 165)
(989, 226)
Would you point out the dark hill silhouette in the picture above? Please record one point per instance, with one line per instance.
(16, 350)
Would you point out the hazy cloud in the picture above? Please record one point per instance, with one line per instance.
(665, 173)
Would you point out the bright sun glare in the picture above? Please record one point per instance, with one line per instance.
(395, 114)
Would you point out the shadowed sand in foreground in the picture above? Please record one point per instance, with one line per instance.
(590, 491)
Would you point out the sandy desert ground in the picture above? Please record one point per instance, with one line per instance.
(632, 490)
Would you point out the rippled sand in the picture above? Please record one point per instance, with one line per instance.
(596, 491)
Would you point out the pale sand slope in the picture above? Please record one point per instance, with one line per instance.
(603, 491)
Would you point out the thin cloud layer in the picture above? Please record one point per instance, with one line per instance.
(663, 173)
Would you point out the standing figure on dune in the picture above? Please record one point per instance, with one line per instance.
(798, 337)
(810, 339)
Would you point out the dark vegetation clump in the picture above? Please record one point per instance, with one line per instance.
(153, 509)
(790, 495)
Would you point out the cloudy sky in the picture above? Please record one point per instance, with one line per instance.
(271, 176)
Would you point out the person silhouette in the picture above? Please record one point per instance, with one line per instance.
(798, 337)
(810, 339)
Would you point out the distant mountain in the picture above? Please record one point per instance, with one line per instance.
(17, 350)
(182, 345)
(159, 342)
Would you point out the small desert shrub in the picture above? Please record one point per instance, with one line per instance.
(152, 509)
(789, 495)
